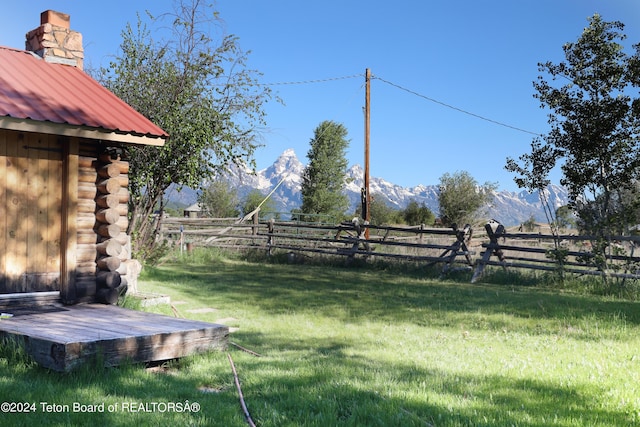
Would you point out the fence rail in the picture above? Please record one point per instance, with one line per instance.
(432, 245)
(445, 246)
(562, 253)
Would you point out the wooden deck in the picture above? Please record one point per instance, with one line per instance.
(62, 337)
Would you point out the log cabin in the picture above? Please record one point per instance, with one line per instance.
(63, 213)
(63, 180)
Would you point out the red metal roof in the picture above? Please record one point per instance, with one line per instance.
(31, 88)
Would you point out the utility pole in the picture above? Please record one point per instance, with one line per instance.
(366, 197)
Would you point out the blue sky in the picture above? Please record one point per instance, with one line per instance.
(478, 56)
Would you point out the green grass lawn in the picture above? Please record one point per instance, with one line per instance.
(362, 347)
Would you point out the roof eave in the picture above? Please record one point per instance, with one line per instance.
(63, 129)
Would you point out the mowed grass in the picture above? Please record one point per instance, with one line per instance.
(365, 347)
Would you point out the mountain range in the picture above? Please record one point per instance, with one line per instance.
(509, 208)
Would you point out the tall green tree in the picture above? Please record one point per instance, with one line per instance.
(323, 178)
(219, 200)
(595, 124)
(199, 90)
(595, 129)
(256, 198)
(416, 214)
(461, 198)
(380, 212)
(565, 217)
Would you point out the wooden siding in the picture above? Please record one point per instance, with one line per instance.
(30, 212)
(68, 226)
(63, 217)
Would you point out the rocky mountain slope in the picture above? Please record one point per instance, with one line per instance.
(509, 208)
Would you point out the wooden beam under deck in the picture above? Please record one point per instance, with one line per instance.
(63, 337)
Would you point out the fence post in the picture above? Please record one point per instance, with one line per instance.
(255, 218)
(270, 228)
(358, 230)
(181, 238)
(494, 231)
(463, 235)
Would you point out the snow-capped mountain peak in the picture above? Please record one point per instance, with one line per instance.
(286, 166)
(509, 208)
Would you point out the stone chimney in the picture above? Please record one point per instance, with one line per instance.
(54, 41)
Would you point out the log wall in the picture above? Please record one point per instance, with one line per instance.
(63, 217)
(86, 246)
(103, 245)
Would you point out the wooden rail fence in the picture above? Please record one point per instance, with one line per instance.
(445, 246)
(431, 245)
(572, 255)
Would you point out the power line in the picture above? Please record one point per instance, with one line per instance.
(304, 82)
(454, 108)
(478, 116)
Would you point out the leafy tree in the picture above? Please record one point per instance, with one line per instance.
(199, 91)
(381, 213)
(461, 198)
(594, 126)
(624, 211)
(565, 218)
(219, 200)
(529, 225)
(175, 209)
(626, 207)
(416, 214)
(255, 198)
(324, 177)
(534, 176)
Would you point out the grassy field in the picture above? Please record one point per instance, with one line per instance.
(361, 347)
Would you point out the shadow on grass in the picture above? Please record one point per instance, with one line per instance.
(327, 384)
(317, 393)
(333, 382)
(134, 395)
(334, 394)
(362, 295)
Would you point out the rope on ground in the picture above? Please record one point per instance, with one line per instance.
(237, 380)
(176, 313)
(245, 349)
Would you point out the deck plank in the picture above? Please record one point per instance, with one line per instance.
(65, 337)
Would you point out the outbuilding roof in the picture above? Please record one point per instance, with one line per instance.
(39, 96)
